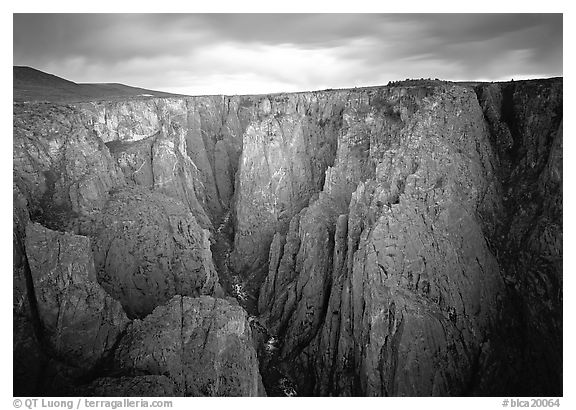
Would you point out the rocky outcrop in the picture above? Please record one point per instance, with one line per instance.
(186, 147)
(80, 322)
(148, 247)
(396, 293)
(61, 167)
(286, 150)
(27, 351)
(204, 346)
(159, 163)
(71, 169)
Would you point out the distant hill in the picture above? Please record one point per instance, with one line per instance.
(35, 85)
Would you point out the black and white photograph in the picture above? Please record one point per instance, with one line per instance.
(287, 205)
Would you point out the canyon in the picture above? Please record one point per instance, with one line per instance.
(400, 240)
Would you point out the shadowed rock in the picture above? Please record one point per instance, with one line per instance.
(138, 386)
(204, 345)
(79, 320)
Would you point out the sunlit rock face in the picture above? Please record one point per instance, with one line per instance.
(286, 151)
(388, 241)
(61, 168)
(148, 247)
(187, 147)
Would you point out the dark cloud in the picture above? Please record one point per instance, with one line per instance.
(102, 37)
(304, 30)
(478, 44)
(230, 53)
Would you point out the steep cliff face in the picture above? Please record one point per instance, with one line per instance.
(526, 123)
(61, 168)
(62, 178)
(204, 345)
(393, 280)
(148, 248)
(426, 284)
(130, 187)
(186, 147)
(81, 322)
(401, 240)
(286, 150)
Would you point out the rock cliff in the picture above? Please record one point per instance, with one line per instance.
(204, 345)
(148, 248)
(400, 240)
(393, 279)
(526, 123)
(80, 321)
(286, 150)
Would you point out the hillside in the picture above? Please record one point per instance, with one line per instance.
(30, 84)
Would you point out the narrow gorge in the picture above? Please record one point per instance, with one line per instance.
(402, 240)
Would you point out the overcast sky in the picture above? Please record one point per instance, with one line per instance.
(259, 53)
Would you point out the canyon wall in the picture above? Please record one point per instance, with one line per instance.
(400, 240)
(525, 122)
(114, 217)
(286, 151)
(393, 280)
(417, 267)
